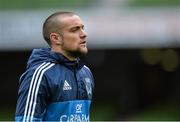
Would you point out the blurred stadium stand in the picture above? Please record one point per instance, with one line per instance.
(134, 54)
(126, 28)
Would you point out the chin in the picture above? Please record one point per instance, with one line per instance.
(84, 51)
(80, 52)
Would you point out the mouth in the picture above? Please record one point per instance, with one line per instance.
(83, 43)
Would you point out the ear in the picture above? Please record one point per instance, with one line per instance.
(55, 39)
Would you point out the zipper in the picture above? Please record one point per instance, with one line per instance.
(74, 70)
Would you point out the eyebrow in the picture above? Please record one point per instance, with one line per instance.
(77, 26)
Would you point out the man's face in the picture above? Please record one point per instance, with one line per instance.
(74, 36)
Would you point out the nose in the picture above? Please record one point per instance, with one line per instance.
(83, 34)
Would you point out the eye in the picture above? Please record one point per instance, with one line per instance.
(75, 29)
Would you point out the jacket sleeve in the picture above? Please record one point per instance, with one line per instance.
(32, 96)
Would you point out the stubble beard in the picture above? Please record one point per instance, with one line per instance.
(79, 52)
(75, 53)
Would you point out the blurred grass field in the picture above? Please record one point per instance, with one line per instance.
(42, 4)
(54, 4)
(155, 3)
(7, 113)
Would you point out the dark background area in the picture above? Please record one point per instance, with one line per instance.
(126, 86)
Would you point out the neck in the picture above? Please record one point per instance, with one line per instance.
(66, 54)
(70, 57)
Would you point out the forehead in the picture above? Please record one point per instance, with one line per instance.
(70, 21)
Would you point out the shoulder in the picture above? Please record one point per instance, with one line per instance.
(34, 74)
(37, 70)
(43, 67)
(86, 69)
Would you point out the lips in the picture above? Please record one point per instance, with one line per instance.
(83, 42)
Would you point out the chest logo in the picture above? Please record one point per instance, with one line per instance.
(88, 86)
(66, 86)
(79, 108)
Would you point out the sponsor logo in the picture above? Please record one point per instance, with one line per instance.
(74, 118)
(66, 86)
(79, 108)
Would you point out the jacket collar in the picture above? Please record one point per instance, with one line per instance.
(77, 64)
(46, 55)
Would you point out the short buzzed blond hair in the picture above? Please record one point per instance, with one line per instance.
(52, 25)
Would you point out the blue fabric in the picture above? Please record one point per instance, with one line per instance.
(53, 84)
(77, 110)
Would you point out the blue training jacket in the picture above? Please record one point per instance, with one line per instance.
(54, 89)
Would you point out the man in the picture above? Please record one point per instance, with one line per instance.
(56, 85)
